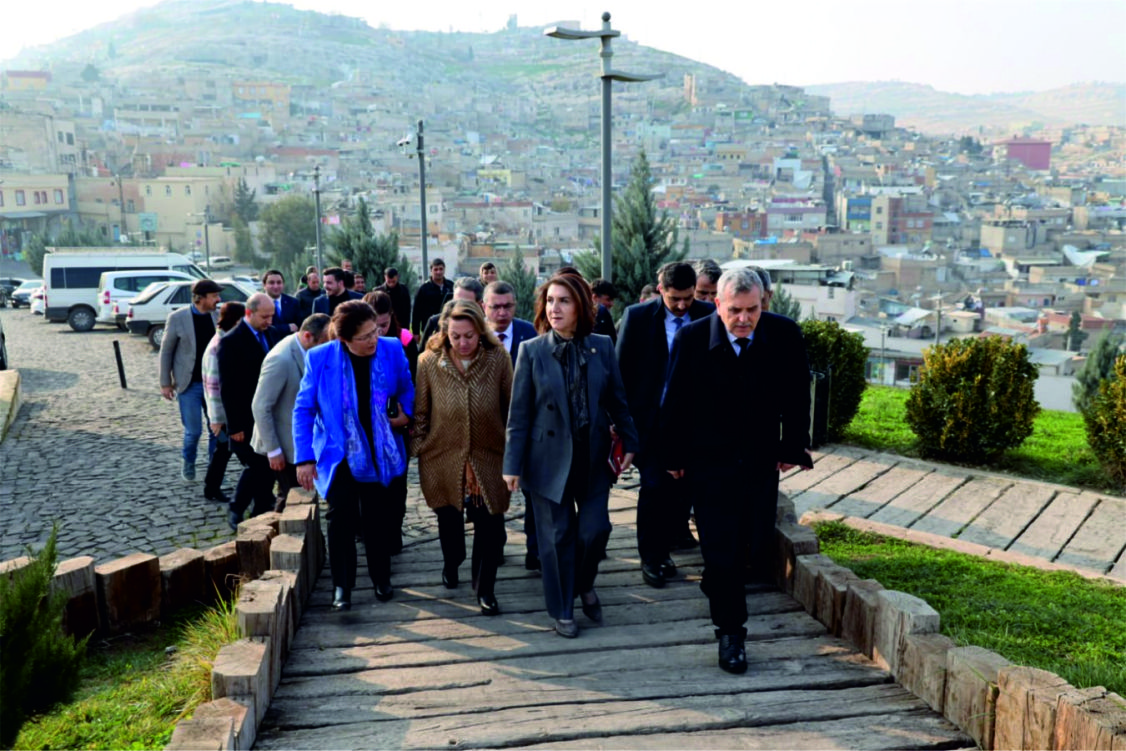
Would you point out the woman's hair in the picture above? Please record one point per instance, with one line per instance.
(461, 310)
(230, 314)
(381, 303)
(584, 305)
(349, 316)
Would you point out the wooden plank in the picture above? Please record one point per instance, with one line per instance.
(836, 486)
(1100, 539)
(437, 642)
(585, 678)
(891, 731)
(1050, 531)
(828, 464)
(961, 506)
(913, 503)
(522, 726)
(1004, 521)
(866, 501)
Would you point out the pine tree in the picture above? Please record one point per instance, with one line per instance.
(784, 304)
(523, 283)
(244, 245)
(245, 207)
(370, 253)
(643, 239)
(1098, 367)
(1075, 335)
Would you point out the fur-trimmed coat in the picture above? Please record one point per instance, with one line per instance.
(458, 418)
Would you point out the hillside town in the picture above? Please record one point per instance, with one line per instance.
(902, 235)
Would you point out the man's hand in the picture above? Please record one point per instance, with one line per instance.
(216, 428)
(627, 460)
(676, 473)
(784, 467)
(293, 327)
(306, 473)
(512, 481)
(167, 392)
(277, 463)
(239, 437)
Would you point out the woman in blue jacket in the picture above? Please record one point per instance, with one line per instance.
(356, 397)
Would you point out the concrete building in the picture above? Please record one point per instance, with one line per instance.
(32, 204)
(1033, 153)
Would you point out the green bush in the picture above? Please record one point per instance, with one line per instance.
(39, 662)
(1106, 424)
(1097, 368)
(829, 346)
(974, 399)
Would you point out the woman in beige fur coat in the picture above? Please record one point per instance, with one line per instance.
(463, 387)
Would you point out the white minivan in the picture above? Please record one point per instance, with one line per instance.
(118, 286)
(71, 277)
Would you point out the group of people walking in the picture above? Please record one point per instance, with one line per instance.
(490, 404)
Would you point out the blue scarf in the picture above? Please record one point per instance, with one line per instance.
(390, 460)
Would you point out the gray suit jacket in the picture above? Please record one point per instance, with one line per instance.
(539, 444)
(178, 348)
(278, 384)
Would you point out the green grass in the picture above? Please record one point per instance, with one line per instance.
(1055, 621)
(133, 691)
(1057, 450)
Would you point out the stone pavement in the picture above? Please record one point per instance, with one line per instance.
(105, 462)
(1076, 528)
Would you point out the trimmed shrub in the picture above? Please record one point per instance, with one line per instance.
(830, 347)
(1097, 368)
(39, 662)
(1106, 423)
(974, 399)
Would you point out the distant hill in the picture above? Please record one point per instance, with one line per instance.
(929, 110)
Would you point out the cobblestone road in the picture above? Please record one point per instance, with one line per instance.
(105, 461)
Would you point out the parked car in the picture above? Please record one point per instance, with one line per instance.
(148, 312)
(22, 294)
(7, 287)
(251, 282)
(39, 301)
(220, 263)
(117, 286)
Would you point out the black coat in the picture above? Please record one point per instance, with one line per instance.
(305, 298)
(400, 303)
(428, 301)
(240, 362)
(743, 399)
(643, 357)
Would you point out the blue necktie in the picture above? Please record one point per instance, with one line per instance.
(678, 322)
(262, 340)
(277, 309)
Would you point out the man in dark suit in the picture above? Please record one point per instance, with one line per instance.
(431, 296)
(287, 311)
(500, 312)
(400, 297)
(604, 294)
(756, 363)
(241, 353)
(644, 342)
(336, 291)
(308, 294)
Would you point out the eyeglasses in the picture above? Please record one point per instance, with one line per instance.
(368, 337)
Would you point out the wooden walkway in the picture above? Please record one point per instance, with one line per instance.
(426, 670)
(1057, 523)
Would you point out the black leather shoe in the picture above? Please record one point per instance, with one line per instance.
(732, 654)
(489, 605)
(384, 592)
(566, 629)
(216, 495)
(532, 562)
(668, 568)
(685, 541)
(449, 578)
(341, 599)
(593, 610)
(652, 575)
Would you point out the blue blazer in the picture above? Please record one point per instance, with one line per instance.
(318, 429)
(521, 331)
(539, 446)
(290, 313)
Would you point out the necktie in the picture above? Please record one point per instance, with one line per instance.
(678, 322)
(277, 308)
(262, 341)
(744, 345)
(502, 337)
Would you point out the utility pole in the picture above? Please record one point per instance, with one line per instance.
(207, 235)
(317, 201)
(608, 75)
(423, 230)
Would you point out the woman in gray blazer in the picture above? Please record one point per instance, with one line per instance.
(566, 394)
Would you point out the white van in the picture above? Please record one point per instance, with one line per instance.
(118, 286)
(71, 276)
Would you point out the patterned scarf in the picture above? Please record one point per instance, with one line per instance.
(389, 462)
(572, 356)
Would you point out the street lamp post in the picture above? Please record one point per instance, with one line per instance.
(317, 202)
(607, 75)
(206, 235)
(420, 152)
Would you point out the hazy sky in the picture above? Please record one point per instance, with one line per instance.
(966, 46)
